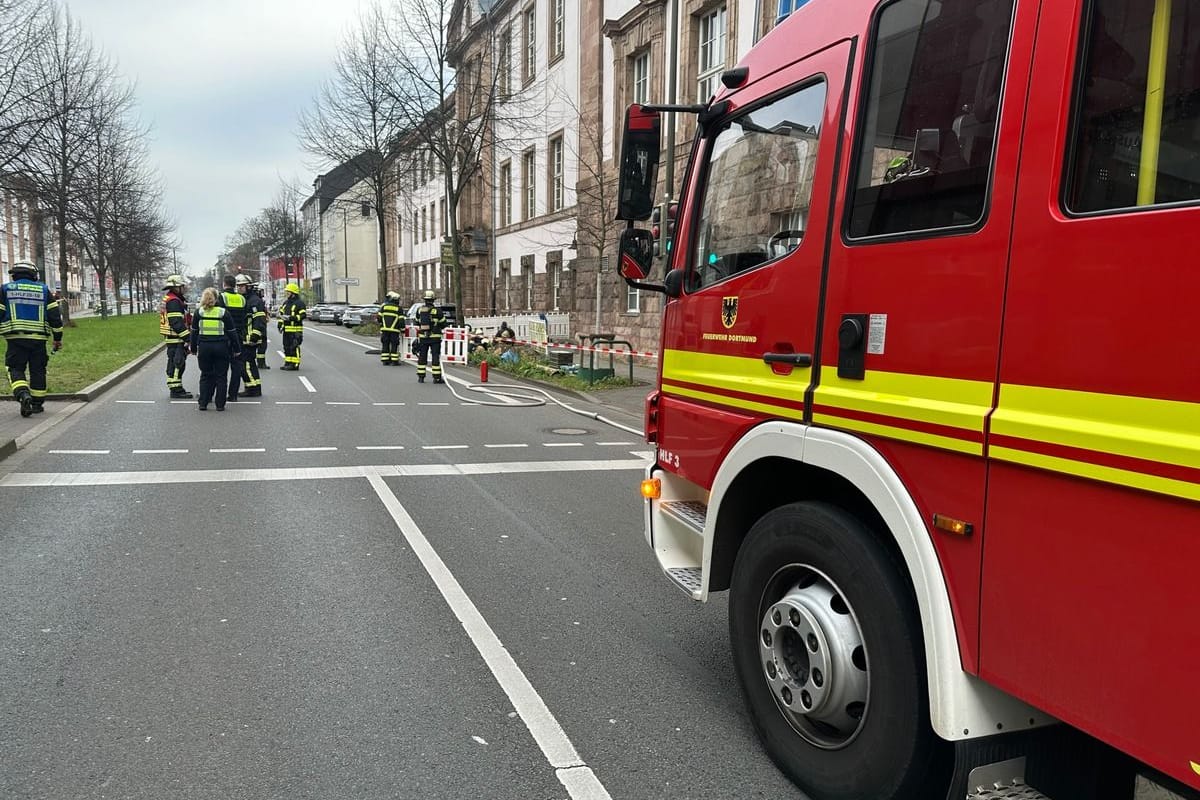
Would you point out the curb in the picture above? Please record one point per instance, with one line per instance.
(89, 393)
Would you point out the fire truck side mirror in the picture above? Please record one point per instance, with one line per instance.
(640, 146)
(636, 254)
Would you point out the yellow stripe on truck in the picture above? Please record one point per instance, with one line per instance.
(951, 402)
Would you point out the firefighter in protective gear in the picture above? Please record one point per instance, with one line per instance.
(261, 355)
(255, 333)
(29, 316)
(235, 302)
(218, 343)
(173, 325)
(291, 325)
(430, 322)
(391, 323)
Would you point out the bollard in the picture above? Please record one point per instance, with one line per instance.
(483, 365)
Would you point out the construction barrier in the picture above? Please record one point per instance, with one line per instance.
(454, 345)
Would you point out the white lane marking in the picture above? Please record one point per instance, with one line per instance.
(646, 454)
(158, 452)
(79, 452)
(293, 402)
(250, 402)
(343, 338)
(182, 402)
(311, 449)
(308, 385)
(574, 774)
(615, 444)
(497, 446)
(238, 450)
(137, 402)
(332, 403)
(562, 444)
(387, 404)
(433, 404)
(445, 447)
(380, 447)
(176, 476)
(282, 355)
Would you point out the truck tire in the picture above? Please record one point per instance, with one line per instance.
(827, 646)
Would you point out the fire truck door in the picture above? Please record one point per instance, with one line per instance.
(1091, 545)
(738, 345)
(911, 324)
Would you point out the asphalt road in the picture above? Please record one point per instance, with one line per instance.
(360, 587)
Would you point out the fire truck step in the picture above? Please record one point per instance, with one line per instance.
(687, 578)
(1015, 790)
(1002, 780)
(690, 512)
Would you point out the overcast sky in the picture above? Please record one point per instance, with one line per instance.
(221, 82)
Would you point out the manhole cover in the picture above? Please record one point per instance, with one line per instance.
(569, 431)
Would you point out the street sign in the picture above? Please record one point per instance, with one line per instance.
(346, 281)
(448, 253)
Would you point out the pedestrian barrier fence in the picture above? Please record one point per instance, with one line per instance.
(454, 345)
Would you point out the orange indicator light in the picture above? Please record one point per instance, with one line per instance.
(652, 488)
(951, 525)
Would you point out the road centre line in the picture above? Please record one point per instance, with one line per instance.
(293, 402)
(498, 446)
(445, 447)
(333, 403)
(159, 452)
(177, 476)
(311, 449)
(433, 404)
(572, 772)
(562, 444)
(137, 402)
(79, 452)
(387, 404)
(238, 450)
(380, 447)
(308, 385)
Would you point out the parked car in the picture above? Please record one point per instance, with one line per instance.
(449, 310)
(357, 315)
(327, 312)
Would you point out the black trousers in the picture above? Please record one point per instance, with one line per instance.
(262, 350)
(291, 348)
(389, 347)
(249, 362)
(429, 349)
(27, 354)
(176, 364)
(214, 371)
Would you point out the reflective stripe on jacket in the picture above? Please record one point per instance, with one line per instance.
(430, 322)
(391, 318)
(172, 322)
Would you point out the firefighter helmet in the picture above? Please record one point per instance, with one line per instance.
(173, 281)
(243, 280)
(24, 269)
(293, 288)
(393, 295)
(429, 294)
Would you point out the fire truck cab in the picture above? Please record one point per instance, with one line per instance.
(929, 395)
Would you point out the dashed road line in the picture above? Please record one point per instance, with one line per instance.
(433, 404)
(238, 450)
(499, 446)
(160, 452)
(137, 402)
(308, 384)
(615, 444)
(311, 449)
(445, 447)
(79, 452)
(333, 403)
(387, 404)
(562, 444)
(380, 447)
(293, 402)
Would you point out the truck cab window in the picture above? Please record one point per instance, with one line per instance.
(758, 186)
(1112, 163)
(929, 124)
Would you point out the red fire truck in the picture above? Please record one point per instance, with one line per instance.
(929, 399)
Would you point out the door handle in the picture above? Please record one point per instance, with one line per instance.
(794, 359)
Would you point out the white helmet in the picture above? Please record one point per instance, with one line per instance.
(243, 280)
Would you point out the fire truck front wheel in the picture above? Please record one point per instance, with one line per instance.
(827, 646)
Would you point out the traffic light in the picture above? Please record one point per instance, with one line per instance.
(656, 229)
(663, 234)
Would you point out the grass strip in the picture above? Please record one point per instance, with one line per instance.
(94, 346)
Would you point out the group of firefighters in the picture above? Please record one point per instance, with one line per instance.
(228, 334)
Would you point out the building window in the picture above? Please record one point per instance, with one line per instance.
(506, 194)
(445, 221)
(554, 274)
(554, 165)
(633, 300)
(504, 64)
(711, 53)
(433, 231)
(529, 198)
(506, 278)
(557, 29)
(424, 228)
(416, 228)
(527, 273)
(641, 78)
(529, 49)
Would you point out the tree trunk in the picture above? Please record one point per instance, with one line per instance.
(381, 216)
(456, 247)
(63, 266)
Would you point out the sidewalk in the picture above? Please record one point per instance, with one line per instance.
(17, 431)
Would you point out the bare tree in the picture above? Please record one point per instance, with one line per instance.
(356, 120)
(453, 98)
(279, 229)
(79, 94)
(23, 35)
